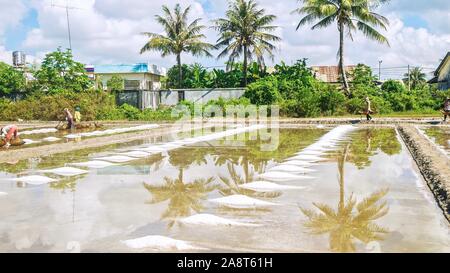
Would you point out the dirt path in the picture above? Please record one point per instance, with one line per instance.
(433, 164)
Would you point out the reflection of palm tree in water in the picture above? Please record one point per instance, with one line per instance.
(184, 198)
(232, 184)
(345, 224)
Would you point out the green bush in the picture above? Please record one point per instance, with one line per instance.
(263, 92)
(50, 107)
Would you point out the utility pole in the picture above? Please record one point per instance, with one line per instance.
(67, 8)
(379, 69)
(409, 78)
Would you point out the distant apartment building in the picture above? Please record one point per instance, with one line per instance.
(442, 74)
(140, 76)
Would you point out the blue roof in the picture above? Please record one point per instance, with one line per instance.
(123, 68)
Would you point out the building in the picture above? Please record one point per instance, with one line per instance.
(330, 74)
(442, 74)
(140, 76)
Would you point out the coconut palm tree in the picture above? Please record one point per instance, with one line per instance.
(232, 184)
(184, 198)
(351, 220)
(246, 31)
(350, 16)
(415, 78)
(180, 36)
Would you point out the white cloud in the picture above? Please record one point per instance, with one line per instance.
(9, 17)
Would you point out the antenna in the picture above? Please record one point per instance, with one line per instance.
(67, 7)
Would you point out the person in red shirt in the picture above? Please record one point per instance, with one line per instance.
(7, 133)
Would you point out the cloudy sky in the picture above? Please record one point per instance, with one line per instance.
(108, 31)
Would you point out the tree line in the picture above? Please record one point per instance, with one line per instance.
(246, 31)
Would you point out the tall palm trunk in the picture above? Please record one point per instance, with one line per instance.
(245, 66)
(180, 72)
(341, 58)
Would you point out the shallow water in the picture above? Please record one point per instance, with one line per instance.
(152, 196)
(440, 136)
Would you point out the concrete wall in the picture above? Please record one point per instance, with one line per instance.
(152, 99)
(444, 76)
(172, 97)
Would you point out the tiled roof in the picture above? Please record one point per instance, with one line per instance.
(329, 74)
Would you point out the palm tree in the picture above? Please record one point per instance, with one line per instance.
(180, 36)
(350, 16)
(344, 224)
(232, 184)
(246, 31)
(415, 78)
(184, 198)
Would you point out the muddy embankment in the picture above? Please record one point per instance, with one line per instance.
(13, 156)
(433, 164)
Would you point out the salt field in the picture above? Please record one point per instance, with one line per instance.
(327, 189)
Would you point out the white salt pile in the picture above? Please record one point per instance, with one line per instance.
(114, 131)
(290, 168)
(264, 186)
(34, 179)
(242, 202)
(212, 220)
(299, 163)
(30, 141)
(66, 171)
(311, 158)
(95, 164)
(283, 176)
(117, 158)
(138, 154)
(160, 243)
(51, 139)
(39, 131)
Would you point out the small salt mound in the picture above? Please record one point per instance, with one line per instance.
(307, 157)
(66, 171)
(212, 220)
(117, 158)
(34, 179)
(39, 131)
(73, 136)
(317, 149)
(29, 141)
(310, 152)
(264, 186)
(242, 202)
(51, 139)
(282, 176)
(291, 168)
(96, 164)
(3, 193)
(170, 146)
(137, 154)
(152, 149)
(299, 163)
(160, 243)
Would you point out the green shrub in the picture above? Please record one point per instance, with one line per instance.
(263, 92)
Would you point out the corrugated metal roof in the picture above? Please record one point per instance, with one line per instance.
(329, 74)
